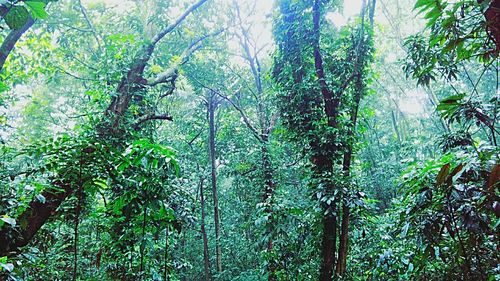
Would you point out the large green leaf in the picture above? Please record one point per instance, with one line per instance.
(17, 17)
(37, 9)
(450, 103)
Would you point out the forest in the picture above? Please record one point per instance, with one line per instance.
(248, 140)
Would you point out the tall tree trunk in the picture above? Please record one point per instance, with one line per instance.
(346, 167)
(212, 107)
(78, 209)
(328, 246)
(323, 163)
(268, 200)
(395, 127)
(323, 167)
(261, 134)
(344, 240)
(359, 88)
(206, 257)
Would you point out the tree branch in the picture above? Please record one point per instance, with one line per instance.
(331, 103)
(246, 120)
(150, 117)
(89, 23)
(37, 213)
(154, 117)
(172, 26)
(171, 73)
(134, 81)
(11, 40)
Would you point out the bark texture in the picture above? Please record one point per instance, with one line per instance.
(31, 220)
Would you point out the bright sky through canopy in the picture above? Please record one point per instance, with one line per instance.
(350, 8)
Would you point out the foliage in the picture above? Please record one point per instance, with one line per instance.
(109, 168)
(17, 13)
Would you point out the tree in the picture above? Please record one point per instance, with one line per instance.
(131, 83)
(357, 147)
(321, 121)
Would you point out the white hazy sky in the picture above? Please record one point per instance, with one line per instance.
(260, 21)
(350, 9)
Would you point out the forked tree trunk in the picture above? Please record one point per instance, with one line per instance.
(323, 163)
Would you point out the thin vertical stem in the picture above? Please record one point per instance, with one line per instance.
(166, 272)
(212, 106)
(141, 269)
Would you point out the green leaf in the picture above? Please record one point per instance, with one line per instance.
(118, 205)
(37, 9)
(423, 5)
(432, 16)
(17, 17)
(450, 103)
(453, 98)
(101, 183)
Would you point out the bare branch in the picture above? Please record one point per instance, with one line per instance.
(136, 71)
(171, 73)
(89, 23)
(245, 118)
(75, 76)
(172, 26)
(190, 143)
(150, 117)
(70, 26)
